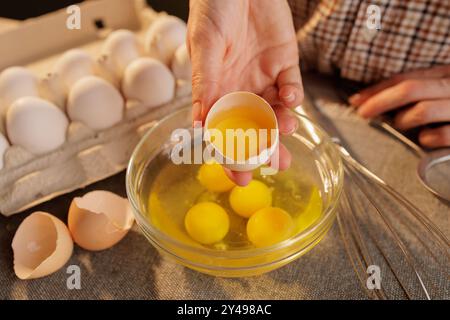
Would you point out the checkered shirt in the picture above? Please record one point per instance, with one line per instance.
(338, 36)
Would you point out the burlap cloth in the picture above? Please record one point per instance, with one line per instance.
(133, 269)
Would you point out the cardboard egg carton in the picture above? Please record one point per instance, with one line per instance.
(87, 156)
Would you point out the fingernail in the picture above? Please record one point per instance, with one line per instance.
(293, 128)
(361, 112)
(196, 112)
(290, 97)
(354, 99)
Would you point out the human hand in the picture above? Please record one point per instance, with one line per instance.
(245, 45)
(423, 95)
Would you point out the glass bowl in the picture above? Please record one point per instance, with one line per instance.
(316, 149)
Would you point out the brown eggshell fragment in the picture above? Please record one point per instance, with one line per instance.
(42, 245)
(99, 220)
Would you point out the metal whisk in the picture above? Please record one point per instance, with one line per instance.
(385, 233)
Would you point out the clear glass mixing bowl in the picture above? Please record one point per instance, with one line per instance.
(316, 148)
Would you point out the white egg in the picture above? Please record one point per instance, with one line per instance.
(95, 102)
(122, 46)
(181, 64)
(148, 81)
(72, 66)
(36, 125)
(3, 146)
(15, 83)
(164, 36)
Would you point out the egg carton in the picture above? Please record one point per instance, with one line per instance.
(87, 156)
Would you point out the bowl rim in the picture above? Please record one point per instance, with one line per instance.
(159, 236)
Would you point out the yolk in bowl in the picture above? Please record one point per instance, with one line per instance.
(269, 226)
(213, 177)
(247, 200)
(207, 222)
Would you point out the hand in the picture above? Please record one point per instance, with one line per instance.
(245, 45)
(425, 96)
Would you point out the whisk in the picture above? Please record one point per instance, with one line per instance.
(384, 233)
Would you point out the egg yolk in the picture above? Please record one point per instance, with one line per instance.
(246, 144)
(247, 200)
(213, 177)
(207, 222)
(269, 226)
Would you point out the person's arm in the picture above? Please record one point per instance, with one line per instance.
(244, 45)
(424, 97)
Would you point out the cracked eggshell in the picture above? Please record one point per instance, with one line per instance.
(36, 125)
(122, 46)
(181, 64)
(99, 220)
(95, 102)
(42, 245)
(148, 81)
(164, 36)
(73, 65)
(15, 83)
(3, 146)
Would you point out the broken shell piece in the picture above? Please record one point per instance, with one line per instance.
(3, 146)
(99, 220)
(72, 66)
(41, 245)
(123, 47)
(95, 102)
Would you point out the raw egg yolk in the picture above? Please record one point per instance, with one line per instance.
(213, 177)
(269, 226)
(245, 144)
(247, 200)
(207, 222)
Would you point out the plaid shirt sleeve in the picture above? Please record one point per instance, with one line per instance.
(334, 36)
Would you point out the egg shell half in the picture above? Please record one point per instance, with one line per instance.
(99, 220)
(42, 245)
(148, 81)
(164, 36)
(36, 125)
(15, 83)
(254, 104)
(95, 102)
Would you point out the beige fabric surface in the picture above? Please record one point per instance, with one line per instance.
(134, 270)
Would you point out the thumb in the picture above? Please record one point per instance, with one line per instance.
(206, 61)
(290, 86)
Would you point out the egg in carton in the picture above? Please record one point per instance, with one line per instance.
(80, 122)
